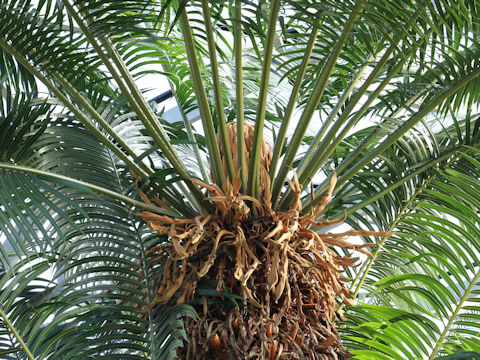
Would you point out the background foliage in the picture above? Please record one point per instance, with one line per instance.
(383, 91)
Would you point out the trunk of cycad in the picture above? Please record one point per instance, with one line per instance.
(265, 284)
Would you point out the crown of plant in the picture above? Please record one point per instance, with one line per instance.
(273, 267)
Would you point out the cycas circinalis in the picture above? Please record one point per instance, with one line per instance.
(242, 233)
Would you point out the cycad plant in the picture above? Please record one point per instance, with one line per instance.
(214, 235)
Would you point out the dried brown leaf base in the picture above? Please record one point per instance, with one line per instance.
(281, 268)
(225, 336)
(250, 333)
